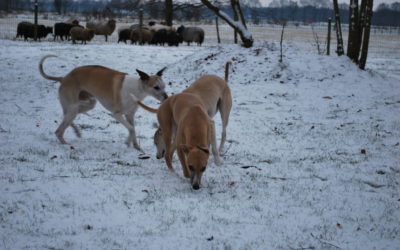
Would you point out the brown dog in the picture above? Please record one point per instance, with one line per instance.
(81, 87)
(185, 118)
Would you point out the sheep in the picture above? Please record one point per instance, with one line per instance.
(191, 34)
(147, 36)
(27, 30)
(62, 30)
(81, 34)
(173, 38)
(105, 29)
(155, 27)
(159, 37)
(124, 35)
(163, 36)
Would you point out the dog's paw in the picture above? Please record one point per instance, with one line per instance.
(218, 162)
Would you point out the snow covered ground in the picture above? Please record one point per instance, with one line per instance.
(312, 159)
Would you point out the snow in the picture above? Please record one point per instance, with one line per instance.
(312, 158)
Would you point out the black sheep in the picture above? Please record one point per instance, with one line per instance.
(173, 38)
(124, 35)
(62, 30)
(27, 30)
(160, 37)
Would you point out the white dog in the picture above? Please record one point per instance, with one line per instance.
(81, 87)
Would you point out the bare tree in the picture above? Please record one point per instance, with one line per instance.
(359, 31)
(61, 6)
(354, 40)
(169, 12)
(340, 50)
(366, 27)
(244, 34)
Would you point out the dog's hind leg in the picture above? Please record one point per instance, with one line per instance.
(225, 105)
(167, 133)
(213, 141)
(69, 116)
(76, 129)
(69, 100)
(86, 103)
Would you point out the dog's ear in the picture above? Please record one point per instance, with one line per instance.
(185, 148)
(204, 149)
(143, 76)
(159, 73)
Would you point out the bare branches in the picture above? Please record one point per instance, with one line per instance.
(245, 36)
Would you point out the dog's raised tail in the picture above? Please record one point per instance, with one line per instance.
(151, 110)
(228, 63)
(54, 78)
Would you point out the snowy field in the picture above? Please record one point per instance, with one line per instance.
(312, 159)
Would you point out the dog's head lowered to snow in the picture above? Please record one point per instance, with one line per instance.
(196, 161)
(153, 85)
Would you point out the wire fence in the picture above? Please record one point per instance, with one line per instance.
(294, 32)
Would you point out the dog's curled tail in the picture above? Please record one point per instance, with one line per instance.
(228, 63)
(151, 110)
(54, 78)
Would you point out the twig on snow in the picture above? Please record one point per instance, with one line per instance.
(325, 242)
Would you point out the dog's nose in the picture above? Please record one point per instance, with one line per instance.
(196, 186)
(165, 96)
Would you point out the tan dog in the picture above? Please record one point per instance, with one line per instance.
(215, 95)
(185, 118)
(83, 85)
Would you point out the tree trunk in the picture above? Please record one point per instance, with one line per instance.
(169, 12)
(353, 42)
(339, 37)
(366, 33)
(245, 36)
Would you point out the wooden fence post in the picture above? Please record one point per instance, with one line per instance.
(216, 23)
(328, 40)
(35, 29)
(140, 27)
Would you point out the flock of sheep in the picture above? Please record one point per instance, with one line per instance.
(152, 33)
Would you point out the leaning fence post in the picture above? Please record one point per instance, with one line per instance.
(328, 42)
(216, 23)
(35, 29)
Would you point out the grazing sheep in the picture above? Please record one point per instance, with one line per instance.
(173, 38)
(81, 34)
(163, 36)
(124, 35)
(160, 37)
(62, 30)
(191, 34)
(27, 30)
(147, 36)
(105, 29)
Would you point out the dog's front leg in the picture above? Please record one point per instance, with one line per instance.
(129, 140)
(131, 129)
